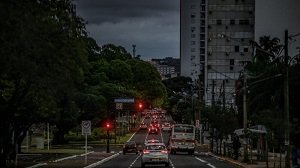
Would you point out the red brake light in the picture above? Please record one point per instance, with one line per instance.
(145, 151)
(164, 151)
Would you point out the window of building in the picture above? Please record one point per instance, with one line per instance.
(244, 22)
(202, 22)
(232, 21)
(193, 20)
(203, 8)
(231, 61)
(202, 29)
(193, 49)
(193, 15)
(202, 51)
(203, 2)
(203, 15)
(202, 44)
(237, 48)
(193, 35)
(250, 12)
(202, 36)
(193, 42)
(246, 49)
(193, 6)
(219, 22)
(193, 29)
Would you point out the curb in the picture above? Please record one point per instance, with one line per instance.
(227, 160)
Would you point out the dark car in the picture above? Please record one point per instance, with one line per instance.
(130, 147)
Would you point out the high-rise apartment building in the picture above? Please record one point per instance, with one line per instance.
(215, 44)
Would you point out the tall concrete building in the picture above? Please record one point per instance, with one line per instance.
(214, 45)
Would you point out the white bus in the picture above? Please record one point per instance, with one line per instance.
(182, 138)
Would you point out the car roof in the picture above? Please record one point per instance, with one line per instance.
(130, 142)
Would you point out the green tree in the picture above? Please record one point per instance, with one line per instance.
(41, 55)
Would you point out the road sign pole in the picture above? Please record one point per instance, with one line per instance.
(85, 158)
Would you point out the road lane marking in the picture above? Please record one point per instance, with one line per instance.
(171, 163)
(102, 161)
(210, 165)
(134, 161)
(201, 160)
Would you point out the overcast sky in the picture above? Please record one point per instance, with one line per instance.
(152, 25)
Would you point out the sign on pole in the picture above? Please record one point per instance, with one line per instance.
(86, 127)
(119, 106)
(197, 123)
(124, 100)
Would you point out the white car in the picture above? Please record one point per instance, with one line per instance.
(166, 127)
(155, 153)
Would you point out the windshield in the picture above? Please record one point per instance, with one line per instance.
(184, 129)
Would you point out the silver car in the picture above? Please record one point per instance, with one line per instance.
(155, 153)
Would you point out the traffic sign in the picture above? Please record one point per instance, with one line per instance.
(119, 106)
(86, 127)
(197, 123)
(124, 100)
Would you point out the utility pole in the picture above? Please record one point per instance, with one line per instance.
(213, 93)
(245, 116)
(224, 100)
(286, 101)
(133, 50)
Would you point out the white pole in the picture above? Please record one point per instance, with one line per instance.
(85, 158)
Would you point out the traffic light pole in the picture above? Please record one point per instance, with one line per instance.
(107, 142)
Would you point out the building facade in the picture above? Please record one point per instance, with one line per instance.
(215, 40)
(168, 67)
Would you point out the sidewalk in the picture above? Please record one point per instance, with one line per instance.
(204, 149)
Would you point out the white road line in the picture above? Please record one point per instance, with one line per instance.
(38, 165)
(131, 137)
(171, 164)
(201, 160)
(210, 165)
(134, 161)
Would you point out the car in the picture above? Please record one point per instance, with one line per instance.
(166, 127)
(155, 123)
(152, 130)
(143, 126)
(152, 141)
(130, 147)
(155, 153)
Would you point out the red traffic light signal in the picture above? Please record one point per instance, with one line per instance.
(108, 125)
(140, 105)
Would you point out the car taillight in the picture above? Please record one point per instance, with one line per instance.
(164, 151)
(145, 151)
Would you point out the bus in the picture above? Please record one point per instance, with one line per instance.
(182, 139)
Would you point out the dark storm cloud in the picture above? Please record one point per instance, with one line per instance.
(152, 25)
(99, 11)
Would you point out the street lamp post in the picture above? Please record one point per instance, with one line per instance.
(245, 117)
(286, 100)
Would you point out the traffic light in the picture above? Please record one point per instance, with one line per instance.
(107, 125)
(140, 105)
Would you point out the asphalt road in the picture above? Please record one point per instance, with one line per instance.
(180, 160)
